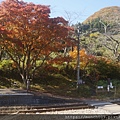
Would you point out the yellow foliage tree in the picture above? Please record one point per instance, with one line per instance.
(83, 57)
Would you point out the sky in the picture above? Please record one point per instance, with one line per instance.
(75, 10)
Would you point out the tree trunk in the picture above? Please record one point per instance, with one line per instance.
(23, 78)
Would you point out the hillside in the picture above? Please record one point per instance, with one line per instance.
(111, 14)
(106, 22)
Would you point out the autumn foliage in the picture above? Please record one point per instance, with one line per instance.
(85, 59)
(31, 34)
(95, 67)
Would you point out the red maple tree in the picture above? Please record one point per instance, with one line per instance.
(32, 35)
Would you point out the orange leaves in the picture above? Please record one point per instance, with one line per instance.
(73, 54)
(84, 57)
(2, 31)
(83, 54)
(33, 35)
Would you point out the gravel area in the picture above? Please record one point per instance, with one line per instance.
(80, 111)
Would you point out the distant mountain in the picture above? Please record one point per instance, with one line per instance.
(110, 14)
(106, 22)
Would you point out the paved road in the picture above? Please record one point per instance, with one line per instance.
(104, 105)
(112, 108)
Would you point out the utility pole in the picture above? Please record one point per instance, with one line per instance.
(78, 32)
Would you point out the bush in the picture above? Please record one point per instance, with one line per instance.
(5, 65)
